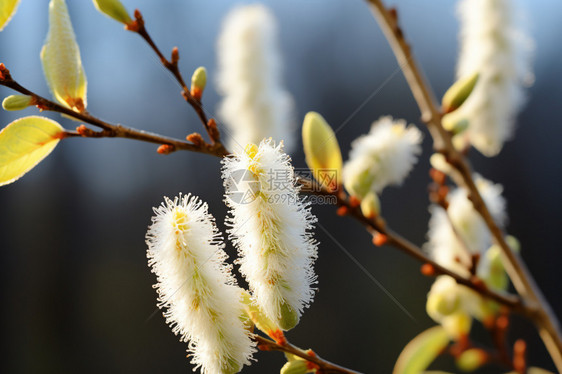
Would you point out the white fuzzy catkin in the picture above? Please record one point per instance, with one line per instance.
(255, 104)
(195, 286)
(444, 246)
(272, 231)
(493, 45)
(385, 156)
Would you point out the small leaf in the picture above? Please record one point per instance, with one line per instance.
(113, 9)
(24, 143)
(322, 151)
(61, 60)
(7, 11)
(421, 351)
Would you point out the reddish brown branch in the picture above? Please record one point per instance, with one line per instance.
(109, 130)
(325, 366)
(138, 26)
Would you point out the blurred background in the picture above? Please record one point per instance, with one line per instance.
(76, 289)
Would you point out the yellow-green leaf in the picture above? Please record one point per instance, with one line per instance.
(322, 151)
(61, 60)
(24, 143)
(7, 11)
(113, 9)
(421, 351)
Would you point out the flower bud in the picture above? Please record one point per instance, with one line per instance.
(441, 304)
(471, 359)
(256, 315)
(496, 277)
(443, 299)
(438, 161)
(198, 82)
(513, 243)
(455, 122)
(370, 205)
(458, 93)
(457, 325)
(61, 60)
(16, 102)
(322, 151)
(295, 367)
(113, 9)
(289, 317)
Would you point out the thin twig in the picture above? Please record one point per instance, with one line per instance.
(378, 225)
(111, 130)
(325, 366)
(544, 318)
(138, 26)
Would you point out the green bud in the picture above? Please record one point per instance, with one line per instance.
(471, 359)
(113, 9)
(455, 122)
(295, 367)
(458, 93)
(360, 185)
(322, 151)
(441, 304)
(199, 79)
(16, 102)
(256, 315)
(370, 205)
(457, 325)
(496, 277)
(289, 317)
(513, 243)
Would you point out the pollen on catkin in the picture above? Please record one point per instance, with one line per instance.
(195, 286)
(493, 45)
(444, 246)
(272, 231)
(383, 157)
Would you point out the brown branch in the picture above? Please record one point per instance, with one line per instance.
(138, 27)
(109, 130)
(325, 366)
(543, 317)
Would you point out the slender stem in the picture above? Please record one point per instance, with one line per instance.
(525, 285)
(138, 26)
(401, 243)
(325, 366)
(111, 130)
